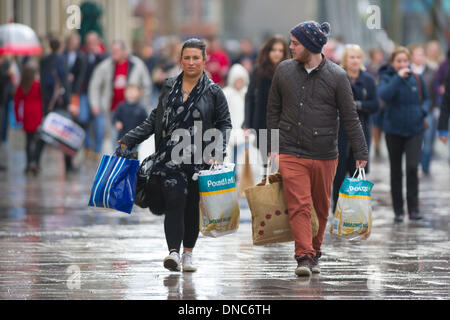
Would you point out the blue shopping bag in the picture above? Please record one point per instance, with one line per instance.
(115, 184)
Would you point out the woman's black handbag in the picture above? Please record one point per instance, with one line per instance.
(148, 189)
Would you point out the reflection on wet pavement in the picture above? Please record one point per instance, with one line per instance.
(54, 247)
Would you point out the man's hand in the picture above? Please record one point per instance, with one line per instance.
(443, 139)
(361, 164)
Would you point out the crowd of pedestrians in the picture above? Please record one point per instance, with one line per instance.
(399, 94)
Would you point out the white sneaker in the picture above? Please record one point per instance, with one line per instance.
(186, 261)
(172, 261)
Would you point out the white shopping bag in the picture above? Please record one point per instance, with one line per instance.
(353, 215)
(219, 206)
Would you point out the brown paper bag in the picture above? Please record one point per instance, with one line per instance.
(270, 219)
(246, 179)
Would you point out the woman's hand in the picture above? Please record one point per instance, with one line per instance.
(122, 145)
(403, 73)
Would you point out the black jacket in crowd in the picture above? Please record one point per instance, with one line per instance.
(53, 70)
(130, 114)
(78, 71)
(445, 106)
(91, 61)
(256, 101)
(212, 105)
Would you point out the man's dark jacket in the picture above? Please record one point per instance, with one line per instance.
(306, 109)
(212, 105)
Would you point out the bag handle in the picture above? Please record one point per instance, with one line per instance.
(268, 169)
(361, 174)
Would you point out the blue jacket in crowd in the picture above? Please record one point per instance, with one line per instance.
(403, 114)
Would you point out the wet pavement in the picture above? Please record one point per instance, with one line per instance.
(54, 247)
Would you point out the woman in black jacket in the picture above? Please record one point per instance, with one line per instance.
(189, 105)
(366, 102)
(274, 50)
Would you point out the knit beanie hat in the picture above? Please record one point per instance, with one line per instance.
(312, 35)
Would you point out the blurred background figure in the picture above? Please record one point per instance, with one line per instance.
(329, 51)
(235, 91)
(376, 60)
(94, 124)
(419, 66)
(55, 89)
(75, 61)
(433, 54)
(406, 98)
(130, 113)
(218, 63)
(111, 77)
(247, 56)
(274, 50)
(28, 112)
(6, 95)
(365, 94)
(444, 117)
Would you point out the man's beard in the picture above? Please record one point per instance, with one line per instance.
(304, 57)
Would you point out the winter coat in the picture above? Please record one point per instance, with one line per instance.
(92, 61)
(78, 71)
(256, 101)
(28, 107)
(53, 71)
(306, 109)
(130, 114)
(101, 84)
(236, 102)
(445, 108)
(367, 101)
(213, 109)
(403, 114)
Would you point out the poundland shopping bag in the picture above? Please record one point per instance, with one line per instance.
(270, 218)
(115, 184)
(353, 215)
(219, 206)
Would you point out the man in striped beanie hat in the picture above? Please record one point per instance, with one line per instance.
(309, 94)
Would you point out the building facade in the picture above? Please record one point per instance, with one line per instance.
(50, 17)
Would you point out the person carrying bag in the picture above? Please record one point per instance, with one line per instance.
(270, 219)
(353, 215)
(114, 185)
(190, 103)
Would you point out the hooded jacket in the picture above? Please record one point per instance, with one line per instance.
(403, 114)
(236, 101)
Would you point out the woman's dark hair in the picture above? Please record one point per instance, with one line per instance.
(195, 43)
(28, 75)
(265, 65)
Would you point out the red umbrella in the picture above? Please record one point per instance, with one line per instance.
(18, 39)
